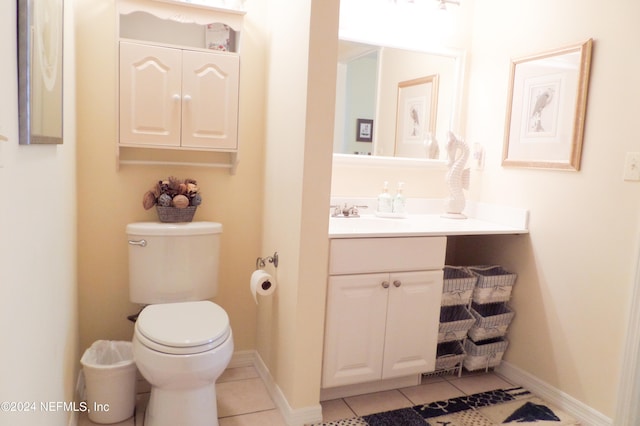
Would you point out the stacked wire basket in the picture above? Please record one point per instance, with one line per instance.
(474, 317)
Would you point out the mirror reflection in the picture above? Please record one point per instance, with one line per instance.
(370, 80)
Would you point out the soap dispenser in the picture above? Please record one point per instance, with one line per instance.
(385, 203)
(399, 200)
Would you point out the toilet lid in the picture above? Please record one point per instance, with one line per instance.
(186, 327)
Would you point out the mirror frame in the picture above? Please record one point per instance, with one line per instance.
(26, 51)
(455, 115)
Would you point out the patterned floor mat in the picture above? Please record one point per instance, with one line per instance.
(499, 407)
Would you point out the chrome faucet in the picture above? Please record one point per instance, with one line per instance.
(346, 211)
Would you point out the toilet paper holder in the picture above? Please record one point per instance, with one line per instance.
(262, 261)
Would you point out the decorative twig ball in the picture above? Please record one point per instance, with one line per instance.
(173, 192)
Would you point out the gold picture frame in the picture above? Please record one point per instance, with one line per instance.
(546, 108)
(416, 115)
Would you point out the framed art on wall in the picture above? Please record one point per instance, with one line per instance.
(40, 43)
(546, 109)
(364, 130)
(416, 114)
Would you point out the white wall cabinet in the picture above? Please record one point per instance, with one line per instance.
(178, 98)
(382, 324)
(179, 77)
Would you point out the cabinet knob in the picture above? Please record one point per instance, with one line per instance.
(176, 97)
(385, 284)
(397, 283)
(187, 98)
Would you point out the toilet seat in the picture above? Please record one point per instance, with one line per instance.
(183, 328)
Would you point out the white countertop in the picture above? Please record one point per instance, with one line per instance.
(483, 219)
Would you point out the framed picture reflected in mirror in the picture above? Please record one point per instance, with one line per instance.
(416, 115)
(364, 130)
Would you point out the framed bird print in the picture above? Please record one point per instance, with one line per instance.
(546, 109)
(415, 115)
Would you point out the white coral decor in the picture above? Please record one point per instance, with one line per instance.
(457, 177)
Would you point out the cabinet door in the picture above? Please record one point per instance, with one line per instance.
(354, 329)
(413, 316)
(150, 87)
(210, 100)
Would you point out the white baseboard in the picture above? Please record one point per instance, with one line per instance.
(585, 414)
(73, 419)
(369, 387)
(292, 417)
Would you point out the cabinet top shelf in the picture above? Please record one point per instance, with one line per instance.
(204, 4)
(198, 11)
(198, 4)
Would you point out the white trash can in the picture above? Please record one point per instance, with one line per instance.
(110, 380)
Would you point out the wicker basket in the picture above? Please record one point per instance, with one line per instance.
(458, 286)
(449, 355)
(455, 321)
(485, 354)
(491, 320)
(174, 214)
(494, 284)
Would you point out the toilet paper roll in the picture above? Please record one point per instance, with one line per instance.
(261, 283)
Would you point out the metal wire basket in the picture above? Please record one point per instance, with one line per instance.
(494, 284)
(458, 286)
(455, 321)
(449, 354)
(484, 354)
(491, 320)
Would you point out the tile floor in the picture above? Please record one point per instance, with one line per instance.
(243, 399)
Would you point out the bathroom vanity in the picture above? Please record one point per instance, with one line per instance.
(384, 291)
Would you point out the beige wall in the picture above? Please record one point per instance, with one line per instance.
(38, 306)
(300, 111)
(577, 266)
(109, 198)
(364, 180)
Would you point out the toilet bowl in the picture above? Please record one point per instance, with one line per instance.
(181, 349)
(182, 342)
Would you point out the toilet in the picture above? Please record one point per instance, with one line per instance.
(182, 342)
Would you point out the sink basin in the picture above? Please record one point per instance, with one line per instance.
(370, 224)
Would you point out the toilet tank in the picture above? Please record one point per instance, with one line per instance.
(173, 262)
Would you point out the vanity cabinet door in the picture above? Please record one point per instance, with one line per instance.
(210, 100)
(150, 95)
(381, 326)
(354, 329)
(413, 316)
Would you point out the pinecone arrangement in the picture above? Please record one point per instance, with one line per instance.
(173, 192)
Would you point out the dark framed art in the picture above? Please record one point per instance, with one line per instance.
(364, 130)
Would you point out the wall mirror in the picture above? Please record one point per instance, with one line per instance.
(405, 46)
(370, 83)
(40, 24)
